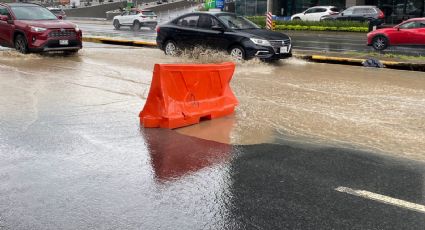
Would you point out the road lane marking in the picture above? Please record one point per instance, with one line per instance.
(382, 199)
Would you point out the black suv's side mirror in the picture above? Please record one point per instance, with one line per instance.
(217, 28)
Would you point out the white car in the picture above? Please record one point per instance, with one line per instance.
(315, 13)
(136, 18)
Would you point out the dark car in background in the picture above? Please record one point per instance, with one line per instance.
(33, 28)
(223, 31)
(359, 14)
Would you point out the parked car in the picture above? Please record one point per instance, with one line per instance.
(58, 12)
(136, 18)
(33, 28)
(315, 13)
(360, 14)
(223, 31)
(408, 33)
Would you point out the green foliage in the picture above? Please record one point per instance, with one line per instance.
(327, 25)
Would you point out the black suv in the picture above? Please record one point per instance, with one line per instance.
(223, 31)
(358, 13)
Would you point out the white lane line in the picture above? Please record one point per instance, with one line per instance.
(382, 199)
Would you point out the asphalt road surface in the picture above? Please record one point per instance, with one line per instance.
(311, 146)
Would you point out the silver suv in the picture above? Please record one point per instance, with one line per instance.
(359, 14)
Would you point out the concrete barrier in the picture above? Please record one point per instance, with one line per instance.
(98, 11)
(172, 6)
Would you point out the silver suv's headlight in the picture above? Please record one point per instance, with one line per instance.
(38, 29)
(260, 42)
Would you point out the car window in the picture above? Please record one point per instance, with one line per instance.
(237, 22)
(4, 11)
(320, 10)
(310, 11)
(133, 12)
(359, 11)
(32, 13)
(410, 25)
(189, 21)
(206, 22)
(348, 11)
(334, 9)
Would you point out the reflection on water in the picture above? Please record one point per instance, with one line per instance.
(174, 155)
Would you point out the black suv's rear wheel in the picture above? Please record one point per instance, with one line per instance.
(380, 42)
(237, 52)
(117, 24)
(21, 44)
(170, 48)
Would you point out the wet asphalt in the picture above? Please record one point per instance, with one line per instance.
(73, 156)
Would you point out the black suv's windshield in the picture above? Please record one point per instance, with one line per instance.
(32, 13)
(237, 22)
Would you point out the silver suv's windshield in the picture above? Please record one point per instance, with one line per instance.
(237, 22)
(32, 13)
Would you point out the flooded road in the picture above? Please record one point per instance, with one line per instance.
(73, 155)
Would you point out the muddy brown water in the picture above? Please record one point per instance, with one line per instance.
(320, 104)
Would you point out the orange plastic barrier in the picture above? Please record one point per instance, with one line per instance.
(183, 94)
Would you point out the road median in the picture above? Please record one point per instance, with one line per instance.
(339, 58)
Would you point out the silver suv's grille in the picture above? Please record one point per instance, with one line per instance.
(276, 44)
(63, 33)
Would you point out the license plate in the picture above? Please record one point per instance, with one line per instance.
(284, 50)
(63, 42)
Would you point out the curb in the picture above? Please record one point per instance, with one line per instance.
(358, 62)
(117, 41)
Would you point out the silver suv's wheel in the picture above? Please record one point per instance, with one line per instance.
(117, 24)
(136, 26)
(171, 49)
(237, 53)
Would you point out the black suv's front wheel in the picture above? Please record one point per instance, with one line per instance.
(21, 44)
(237, 53)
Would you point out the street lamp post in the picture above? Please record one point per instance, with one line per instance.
(269, 5)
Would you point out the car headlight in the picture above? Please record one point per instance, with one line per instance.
(260, 42)
(38, 29)
(77, 29)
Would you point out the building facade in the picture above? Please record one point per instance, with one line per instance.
(394, 10)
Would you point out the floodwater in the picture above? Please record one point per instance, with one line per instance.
(74, 157)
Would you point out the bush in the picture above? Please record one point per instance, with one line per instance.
(327, 25)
